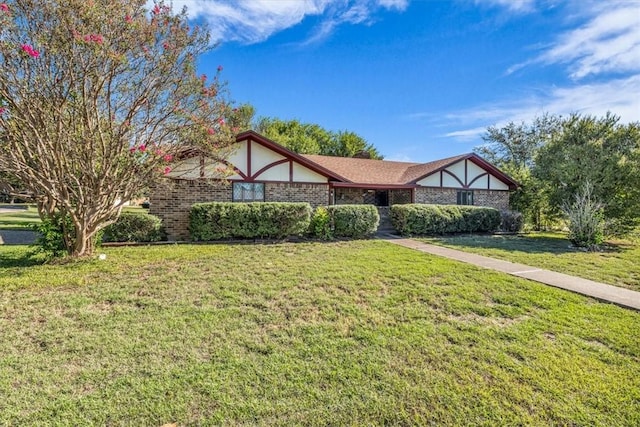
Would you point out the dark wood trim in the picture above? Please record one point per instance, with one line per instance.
(290, 170)
(413, 195)
(248, 157)
(441, 179)
(374, 186)
(466, 174)
(269, 166)
(202, 166)
(477, 178)
(454, 177)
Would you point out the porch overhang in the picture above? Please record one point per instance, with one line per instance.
(373, 186)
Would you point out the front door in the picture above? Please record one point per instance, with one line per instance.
(382, 198)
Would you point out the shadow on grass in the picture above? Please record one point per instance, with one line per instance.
(547, 244)
(20, 256)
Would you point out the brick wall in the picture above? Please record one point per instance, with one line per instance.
(314, 194)
(171, 199)
(448, 196)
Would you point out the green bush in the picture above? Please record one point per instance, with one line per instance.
(355, 221)
(134, 227)
(51, 235)
(224, 220)
(320, 225)
(511, 221)
(417, 219)
(586, 218)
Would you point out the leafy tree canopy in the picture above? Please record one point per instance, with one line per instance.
(96, 97)
(307, 138)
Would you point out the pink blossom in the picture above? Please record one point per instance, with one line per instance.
(221, 121)
(30, 50)
(203, 78)
(165, 45)
(142, 148)
(4, 7)
(97, 38)
(219, 68)
(211, 131)
(167, 157)
(132, 150)
(128, 19)
(156, 10)
(167, 170)
(2, 110)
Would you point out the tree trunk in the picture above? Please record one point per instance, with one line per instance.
(83, 245)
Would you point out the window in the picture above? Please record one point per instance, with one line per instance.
(465, 197)
(248, 192)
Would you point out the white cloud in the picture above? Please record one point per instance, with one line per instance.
(253, 21)
(618, 96)
(607, 42)
(519, 6)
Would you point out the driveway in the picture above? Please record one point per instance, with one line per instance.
(17, 237)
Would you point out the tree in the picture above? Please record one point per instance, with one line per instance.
(96, 97)
(307, 138)
(513, 148)
(600, 151)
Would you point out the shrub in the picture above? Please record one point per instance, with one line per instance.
(355, 221)
(224, 220)
(511, 221)
(586, 220)
(441, 219)
(52, 231)
(134, 227)
(51, 235)
(320, 225)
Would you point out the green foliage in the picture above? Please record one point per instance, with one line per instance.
(513, 148)
(134, 227)
(354, 221)
(511, 221)
(419, 219)
(52, 235)
(215, 221)
(586, 222)
(308, 138)
(600, 151)
(320, 225)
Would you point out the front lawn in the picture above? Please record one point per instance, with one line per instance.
(18, 217)
(357, 333)
(618, 264)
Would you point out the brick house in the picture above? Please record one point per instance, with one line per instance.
(266, 171)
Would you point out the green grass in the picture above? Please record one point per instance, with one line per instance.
(618, 264)
(342, 333)
(20, 218)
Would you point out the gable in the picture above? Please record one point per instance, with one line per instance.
(466, 174)
(252, 160)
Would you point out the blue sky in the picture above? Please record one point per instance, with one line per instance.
(422, 79)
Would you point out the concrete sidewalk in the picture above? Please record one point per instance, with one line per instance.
(601, 291)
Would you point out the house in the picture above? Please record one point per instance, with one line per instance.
(267, 171)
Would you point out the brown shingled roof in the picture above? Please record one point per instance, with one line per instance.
(380, 172)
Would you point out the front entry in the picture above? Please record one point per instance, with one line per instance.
(382, 198)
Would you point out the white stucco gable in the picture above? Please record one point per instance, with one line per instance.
(464, 174)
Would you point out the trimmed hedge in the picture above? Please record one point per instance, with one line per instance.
(355, 221)
(225, 220)
(416, 219)
(134, 227)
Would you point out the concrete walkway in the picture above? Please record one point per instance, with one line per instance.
(601, 291)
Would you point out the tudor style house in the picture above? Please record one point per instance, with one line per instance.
(267, 171)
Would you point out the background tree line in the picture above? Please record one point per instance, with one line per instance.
(554, 158)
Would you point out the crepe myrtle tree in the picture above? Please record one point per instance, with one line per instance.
(96, 99)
